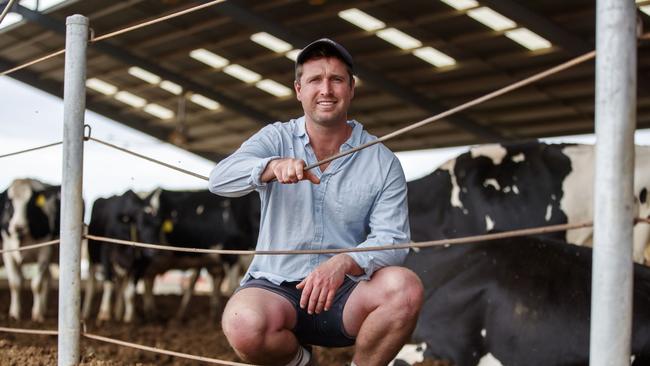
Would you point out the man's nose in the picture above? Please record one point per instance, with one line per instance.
(326, 88)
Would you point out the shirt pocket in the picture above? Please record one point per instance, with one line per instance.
(353, 204)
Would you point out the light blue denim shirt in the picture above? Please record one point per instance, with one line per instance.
(361, 201)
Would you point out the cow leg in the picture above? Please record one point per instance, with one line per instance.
(129, 299)
(40, 287)
(104, 314)
(149, 302)
(89, 292)
(187, 294)
(231, 279)
(641, 236)
(15, 278)
(121, 283)
(216, 299)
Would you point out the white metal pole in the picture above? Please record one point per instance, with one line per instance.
(74, 106)
(612, 277)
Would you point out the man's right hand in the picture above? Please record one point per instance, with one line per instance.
(288, 171)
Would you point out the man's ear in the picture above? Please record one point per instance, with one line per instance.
(296, 87)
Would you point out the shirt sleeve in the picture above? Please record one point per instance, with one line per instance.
(389, 224)
(240, 173)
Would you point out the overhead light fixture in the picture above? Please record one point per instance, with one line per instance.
(145, 75)
(362, 20)
(131, 99)
(242, 73)
(461, 4)
(171, 87)
(399, 38)
(528, 39)
(11, 19)
(41, 5)
(273, 43)
(434, 57)
(292, 55)
(274, 88)
(491, 18)
(205, 102)
(101, 86)
(158, 111)
(209, 58)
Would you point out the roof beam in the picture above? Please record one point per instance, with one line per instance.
(257, 21)
(132, 59)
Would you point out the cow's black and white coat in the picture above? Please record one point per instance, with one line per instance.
(30, 214)
(496, 187)
(125, 217)
(204, 220)
(518, 301)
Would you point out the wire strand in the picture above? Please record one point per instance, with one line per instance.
(561, 67)
(30, 247)
(156, 20)
(424, 244)
(163, 351)
(31, 149)
(149, 159)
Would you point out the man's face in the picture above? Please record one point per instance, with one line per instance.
(325, 90)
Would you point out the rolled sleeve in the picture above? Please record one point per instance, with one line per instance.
(240, 173)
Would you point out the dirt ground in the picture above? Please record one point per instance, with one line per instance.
(198, 336)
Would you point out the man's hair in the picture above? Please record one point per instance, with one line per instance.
(321, 52)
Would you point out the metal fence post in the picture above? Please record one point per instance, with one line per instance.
(612, 276)
(74, 106)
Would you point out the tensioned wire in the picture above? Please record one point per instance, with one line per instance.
(127, 344)
(116, 33)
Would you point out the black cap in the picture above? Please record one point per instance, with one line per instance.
(325, 43)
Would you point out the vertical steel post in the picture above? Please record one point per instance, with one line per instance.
(74, 106)
(612, 277)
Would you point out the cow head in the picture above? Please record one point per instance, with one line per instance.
(30, 210)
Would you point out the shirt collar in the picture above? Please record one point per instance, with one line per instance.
(352, 141)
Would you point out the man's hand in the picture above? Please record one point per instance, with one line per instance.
(288, 171)
(319, 288)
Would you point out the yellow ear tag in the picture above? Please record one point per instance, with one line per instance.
(40, 200)
(167, 226)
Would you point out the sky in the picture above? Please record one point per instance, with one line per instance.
(30, 117)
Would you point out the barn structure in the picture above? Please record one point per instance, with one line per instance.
(207, 80)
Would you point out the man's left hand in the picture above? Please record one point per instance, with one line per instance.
(319, 288)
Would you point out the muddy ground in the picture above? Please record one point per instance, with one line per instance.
(198, 336)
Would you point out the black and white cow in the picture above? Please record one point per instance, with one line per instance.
(124, 217)
(30, 214)
(518, 301)
(496, 187)
(203, 220)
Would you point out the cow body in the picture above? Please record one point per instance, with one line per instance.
(496, 188)
(518, 301)
(30, 214)
(203, 220)
(123, 217)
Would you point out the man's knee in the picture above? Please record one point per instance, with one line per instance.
(245, 329)
(403, 289)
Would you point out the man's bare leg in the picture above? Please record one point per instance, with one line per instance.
(258, 326)
(382, 313)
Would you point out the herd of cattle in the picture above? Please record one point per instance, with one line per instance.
(520, 301)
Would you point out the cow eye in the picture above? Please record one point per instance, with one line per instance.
(125, 219)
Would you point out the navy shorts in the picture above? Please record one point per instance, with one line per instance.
(325, 329)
